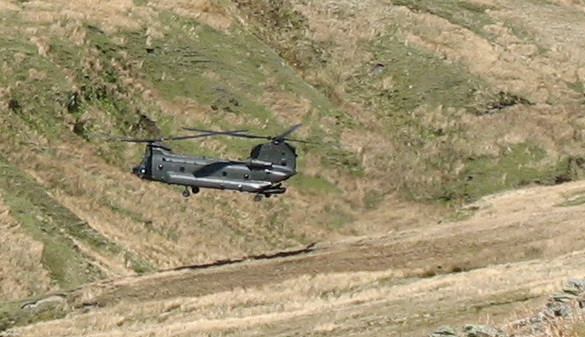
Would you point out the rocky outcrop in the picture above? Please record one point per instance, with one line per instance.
(561, 311)
(469, 330)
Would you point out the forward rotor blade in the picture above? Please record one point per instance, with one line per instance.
(242, 135)
(162, 139)
(215, 132)
(245, 135)
(208, 133)
(119, 138)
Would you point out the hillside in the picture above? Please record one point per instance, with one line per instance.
(434, 106)
(496, 267)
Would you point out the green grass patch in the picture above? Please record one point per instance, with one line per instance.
(345, 160)
(418, 78)
(577, 87)
(37, 85)
(373, 198)
(312, 183)
(337, 219)
(196, 61)
(12, 313)
(573, 199)
(517, 165)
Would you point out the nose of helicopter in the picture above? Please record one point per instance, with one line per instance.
(139, 170)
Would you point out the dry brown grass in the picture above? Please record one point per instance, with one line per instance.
(8, 6)
(155, 222)
(378, 302)
(114, 15)
(541, 323)
(346, 27)
(335, 302)
(172, 230)
(512, 64)
(289, 110)
(166, 235)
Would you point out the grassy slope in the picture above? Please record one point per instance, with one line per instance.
(65, 188)
(418, 116)
(425, 96)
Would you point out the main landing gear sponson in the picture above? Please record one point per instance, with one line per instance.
(258, 197)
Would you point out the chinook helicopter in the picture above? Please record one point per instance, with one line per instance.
(268, 165)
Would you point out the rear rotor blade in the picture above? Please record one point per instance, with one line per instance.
(288, 132)
(300, 141)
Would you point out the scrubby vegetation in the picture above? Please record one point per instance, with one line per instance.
(427, 103)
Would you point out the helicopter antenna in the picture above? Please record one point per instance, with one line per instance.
(279, 138)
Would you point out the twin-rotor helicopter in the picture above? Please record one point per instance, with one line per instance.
(268, 165)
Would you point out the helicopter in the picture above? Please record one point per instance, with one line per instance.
(268, 165)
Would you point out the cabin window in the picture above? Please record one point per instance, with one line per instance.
(246, 176)
(182, 169)
(160, 166)
(224, 173)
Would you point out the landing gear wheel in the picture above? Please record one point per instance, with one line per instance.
(267, 195)
(258, 197)
(195, 189)
(186, 193)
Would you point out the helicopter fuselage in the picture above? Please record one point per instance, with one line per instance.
(254, 175)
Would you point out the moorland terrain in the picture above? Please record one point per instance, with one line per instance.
(455, 192)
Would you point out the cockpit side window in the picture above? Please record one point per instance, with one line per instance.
(255, 153)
